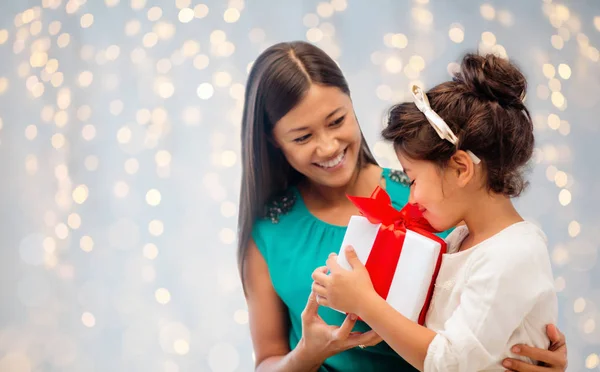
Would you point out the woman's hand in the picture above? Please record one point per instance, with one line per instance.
(321, 341)
(553, 359)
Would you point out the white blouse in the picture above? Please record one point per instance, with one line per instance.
(490, 297)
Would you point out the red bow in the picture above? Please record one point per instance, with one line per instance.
(387, 247)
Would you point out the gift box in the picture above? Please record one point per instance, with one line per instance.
(400, 251)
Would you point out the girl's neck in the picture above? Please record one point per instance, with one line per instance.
(487, 216)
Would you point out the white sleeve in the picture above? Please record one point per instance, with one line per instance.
(503, 286)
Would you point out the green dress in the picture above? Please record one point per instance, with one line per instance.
(294, 243)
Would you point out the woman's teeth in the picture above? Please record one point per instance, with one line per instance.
(333, 162)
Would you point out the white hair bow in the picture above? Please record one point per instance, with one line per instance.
(440, 126)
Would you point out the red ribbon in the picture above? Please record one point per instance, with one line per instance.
(385, 254)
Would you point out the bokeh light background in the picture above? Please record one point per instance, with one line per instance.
(119, 156)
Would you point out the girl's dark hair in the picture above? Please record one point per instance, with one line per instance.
(483, 105)
(279, 79)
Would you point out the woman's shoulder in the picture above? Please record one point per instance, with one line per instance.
(397, 184)
(396, 176)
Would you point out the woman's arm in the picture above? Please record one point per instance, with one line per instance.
(268, 319)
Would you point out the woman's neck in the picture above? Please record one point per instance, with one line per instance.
(362, 183)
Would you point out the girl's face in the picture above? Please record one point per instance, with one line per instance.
(441, 194)
(320, 137)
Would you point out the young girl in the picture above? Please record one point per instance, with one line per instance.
(302, 151)
(463, 146)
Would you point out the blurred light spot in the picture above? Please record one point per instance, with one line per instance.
(31, 164)
(91, 162)
(227, 236)
(154, 13)
(241, 317)
(138, 4)
(325, 10)
(88, 132)
(132, 27)
(121, 189)
(574, 229)
(553, 121)
(222, 79)
(314, 35)
(543, 92)
(186, 15)
(162, 158)
(231, 15)
(228, 209)
(217, 37)
(191, 116)
(393, 64)
(3, 36)
(589, 326)
(74, 221)
(564, 71)
(339, 5)
(131, 166)
(58, 141)
(87, 20)
(558, 99)
(579, 305)
(565, 128)
(422, 16)
(205, 91)
(163, 66)
(228, 158)
(201, 61)
(505, 18)
(153, 197)
(15, 362)
(561, 179)
(488, 38)
(557, 42)
(150, 251)
(88, 319)
(181, 347)
(456, 33)
(86, 78)
(554, 85)
(564, 197)
(63, 40)
(548, 70)
(150, 39)
(62, 231)
(49, 244)
(164, 87)
(143, 116)
(86, 243)
(593, 360)
(124, 135)
(560, 284)
(162, 296)
(200, 11)
(156, 228)
(30, 132)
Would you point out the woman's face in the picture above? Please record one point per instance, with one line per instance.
(320, 137)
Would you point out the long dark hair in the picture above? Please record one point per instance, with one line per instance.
(279, 79)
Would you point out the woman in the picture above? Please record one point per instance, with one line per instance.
(302, 151)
